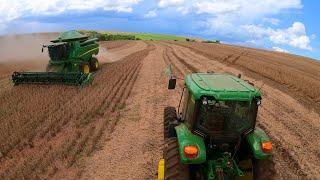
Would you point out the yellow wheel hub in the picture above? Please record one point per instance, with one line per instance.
(86, 69)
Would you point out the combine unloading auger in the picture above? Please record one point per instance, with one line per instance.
(71, 62)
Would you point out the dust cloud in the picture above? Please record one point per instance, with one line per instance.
(17, 51)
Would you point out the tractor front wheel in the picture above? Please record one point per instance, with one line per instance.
(173, 168)
(94, 64)
(170, 121)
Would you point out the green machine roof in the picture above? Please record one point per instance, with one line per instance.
(220, 86)
(70, 35)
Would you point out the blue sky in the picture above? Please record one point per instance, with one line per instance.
(280, 25)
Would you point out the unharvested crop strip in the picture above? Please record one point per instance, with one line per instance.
(115, 89)
(99, 123)
(120, 97)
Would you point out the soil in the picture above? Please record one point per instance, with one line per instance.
(113, 129)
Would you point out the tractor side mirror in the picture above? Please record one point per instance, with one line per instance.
(42, 49)
(172, 83)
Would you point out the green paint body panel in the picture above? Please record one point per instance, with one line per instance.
(254, 140)
(67, 54)
(221, 86)
(187, 138)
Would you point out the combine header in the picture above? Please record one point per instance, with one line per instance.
(71, 62)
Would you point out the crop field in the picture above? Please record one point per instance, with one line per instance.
(147, 36)
(113, 128)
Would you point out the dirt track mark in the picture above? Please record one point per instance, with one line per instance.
(173, 52)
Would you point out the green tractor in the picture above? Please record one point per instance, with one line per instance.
(71, 61)
(214, 136)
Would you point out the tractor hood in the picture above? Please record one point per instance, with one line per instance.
(220, 86)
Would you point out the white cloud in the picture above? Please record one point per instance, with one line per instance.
(278, 49)
(171, 3)
(151, 14)
(246, 8)
(294, 36)
(216, 7)
(238, 18)
(14, 9)
(183, 10)
(272, 21)
(224, 17)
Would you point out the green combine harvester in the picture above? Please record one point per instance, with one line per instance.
(213, 135)
(71, 62)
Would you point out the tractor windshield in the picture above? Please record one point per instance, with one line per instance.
(226, 118)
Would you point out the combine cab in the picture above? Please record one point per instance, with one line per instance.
(71, 62)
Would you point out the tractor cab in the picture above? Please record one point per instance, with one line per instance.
(214, 128)
(219, 106)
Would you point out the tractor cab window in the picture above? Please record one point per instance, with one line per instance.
(226, 118)
(188, 109)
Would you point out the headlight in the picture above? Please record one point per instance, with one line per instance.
(258, 102)
(204, 101)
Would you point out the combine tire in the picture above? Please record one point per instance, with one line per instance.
(94, 64)
(173, 168)
(85, 68)
(170, 121)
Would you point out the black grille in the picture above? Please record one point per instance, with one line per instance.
(218, 127)
(59, 52)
